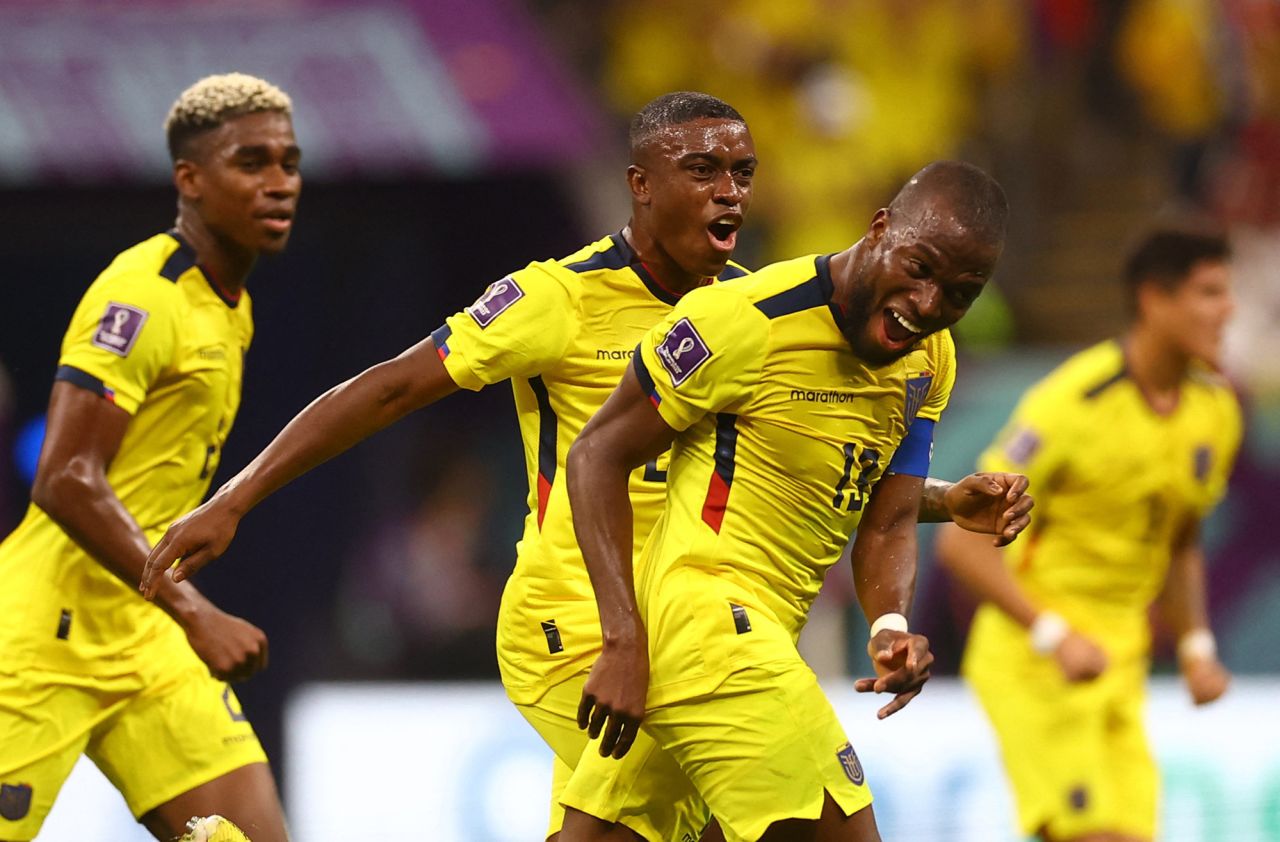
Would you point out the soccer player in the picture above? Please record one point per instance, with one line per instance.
(147, 387)
(798, 405)
(563, 331)
(1129, 445)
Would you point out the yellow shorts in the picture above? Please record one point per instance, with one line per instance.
(155, 734)
(645, 790)
(1076, 755)
(764, 746)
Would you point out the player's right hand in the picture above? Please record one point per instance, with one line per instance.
(901, 661)
(232, 648)
(195, 540)
(1079, 658)
(614, 695)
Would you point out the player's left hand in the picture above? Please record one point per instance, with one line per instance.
(1207, 679)
(991, 503)
(613, 696)
(902, 662)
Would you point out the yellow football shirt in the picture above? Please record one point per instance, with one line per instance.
(1113, 481)
(784, 433)
(155, 337)
(562, 331)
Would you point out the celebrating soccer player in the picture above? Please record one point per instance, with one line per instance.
(1129, 444)
(146, 390)
(766, 482)
(563, 332)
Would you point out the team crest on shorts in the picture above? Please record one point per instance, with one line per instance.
(15, 800)
(237, 715)
(852, 766)
(497, 299)
(119, 328)
(682, 351)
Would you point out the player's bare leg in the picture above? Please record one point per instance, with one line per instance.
(832, 826)
(246, 796)
(580, 827)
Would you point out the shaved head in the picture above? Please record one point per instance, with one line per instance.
(956, 193)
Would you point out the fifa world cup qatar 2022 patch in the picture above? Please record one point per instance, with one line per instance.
(15, 801)
(497, 299)
(119, 328)
(682, 351)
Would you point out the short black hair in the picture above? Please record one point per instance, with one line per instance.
(977, 199)
(1166, 256)
(674, 109)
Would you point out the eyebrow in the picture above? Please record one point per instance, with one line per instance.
(714, 158)
(264, 149)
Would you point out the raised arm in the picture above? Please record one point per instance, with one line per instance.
(337, 420)
(1183, 606)
(980, 567)
(83, 435)
(625, 433)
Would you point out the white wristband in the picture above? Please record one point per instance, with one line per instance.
(1048, 630)
(893, 622)
(1197, 645)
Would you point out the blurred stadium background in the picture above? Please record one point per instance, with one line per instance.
(449, 141)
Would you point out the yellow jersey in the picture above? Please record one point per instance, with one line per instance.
(1114, 482)
(784, 432)
(156, 338)
(563, 332)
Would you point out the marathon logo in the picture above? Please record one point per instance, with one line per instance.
(606, 354)
(823, 396)
(683, 351)
(119, 328)
(497, 299)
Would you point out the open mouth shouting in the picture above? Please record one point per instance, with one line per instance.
(723, 232)
(899, 331)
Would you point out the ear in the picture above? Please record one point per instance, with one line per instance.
(1150, 298)
(879, 226)
(638, 182)
(186, 178)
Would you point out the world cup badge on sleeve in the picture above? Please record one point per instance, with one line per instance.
(682, 351)
(497, 299)
(119, 328)
(1022, 446)
(15, 801)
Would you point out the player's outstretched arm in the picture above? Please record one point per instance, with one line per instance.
(1183, 606)
(992, 503)
(334, 422)
(884, 574)
(625, 433)
(83, 435)
(980, 568)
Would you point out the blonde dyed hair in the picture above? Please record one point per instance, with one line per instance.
(214, 100)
